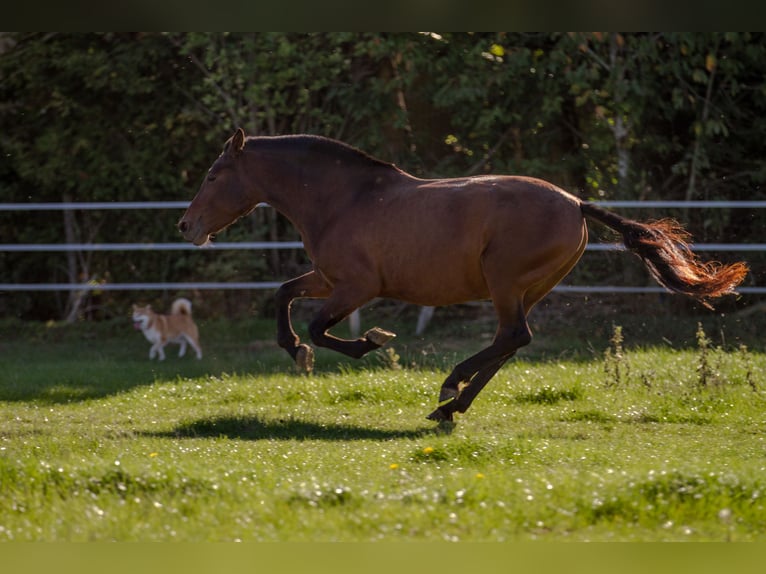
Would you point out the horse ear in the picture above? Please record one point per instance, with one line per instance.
(237, 141)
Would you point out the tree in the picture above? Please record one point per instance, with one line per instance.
(88, 117)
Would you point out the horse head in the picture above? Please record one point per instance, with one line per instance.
(222, 198)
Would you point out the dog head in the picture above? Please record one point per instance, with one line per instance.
(142, 316)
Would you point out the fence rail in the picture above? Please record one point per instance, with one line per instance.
(96, 205)
(262, 245)
(49, 247)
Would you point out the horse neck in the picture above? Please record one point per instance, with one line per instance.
(309, 194)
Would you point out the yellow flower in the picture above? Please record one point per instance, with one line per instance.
(153, 454)
(479, 475)
(428, 450)
(393, 466)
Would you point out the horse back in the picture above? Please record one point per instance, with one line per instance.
(430, 241)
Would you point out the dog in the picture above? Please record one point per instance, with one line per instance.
(178, 327)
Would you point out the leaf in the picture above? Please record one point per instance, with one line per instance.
(710, 63)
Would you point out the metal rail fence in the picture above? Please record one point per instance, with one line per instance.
(259, 245)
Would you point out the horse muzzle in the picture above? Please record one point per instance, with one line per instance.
(193, 232)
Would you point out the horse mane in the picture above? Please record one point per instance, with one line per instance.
(313, 145)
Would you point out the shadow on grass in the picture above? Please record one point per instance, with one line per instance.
(257, 428)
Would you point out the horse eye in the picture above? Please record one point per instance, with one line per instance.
(211, 177)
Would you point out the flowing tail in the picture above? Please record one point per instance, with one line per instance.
(663, 247)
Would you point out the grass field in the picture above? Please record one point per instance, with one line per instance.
(589, 440)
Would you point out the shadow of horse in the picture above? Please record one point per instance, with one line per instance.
(257, 428)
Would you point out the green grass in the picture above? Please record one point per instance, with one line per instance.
(97, 443)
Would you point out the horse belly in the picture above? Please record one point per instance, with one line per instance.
(434, 271)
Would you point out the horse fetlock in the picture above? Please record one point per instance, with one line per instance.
(378, 336)
(304, 359)
(289, 343)
(461, 404)
(446, 396)
(450, 388)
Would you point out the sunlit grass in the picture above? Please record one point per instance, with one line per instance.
(104, 445)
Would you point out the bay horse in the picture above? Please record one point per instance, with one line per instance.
(372, 230)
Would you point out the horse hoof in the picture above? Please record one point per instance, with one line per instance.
(304, 359)
(440, 416)
(379, 336)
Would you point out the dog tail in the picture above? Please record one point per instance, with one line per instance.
(181, 306)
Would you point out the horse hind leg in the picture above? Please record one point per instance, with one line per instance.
(468, 378)
(478, 382)
(471, 376)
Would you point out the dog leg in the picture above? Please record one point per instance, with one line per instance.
(182, 350)
(194, 345)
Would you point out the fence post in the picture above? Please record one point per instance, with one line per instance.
(354, 322)
(423, 319)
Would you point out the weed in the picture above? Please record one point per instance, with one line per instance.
(389, 358)
(646, 379)
(744, 356)
(706, 374)
(616, 367)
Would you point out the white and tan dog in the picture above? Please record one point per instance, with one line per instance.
(178, 327)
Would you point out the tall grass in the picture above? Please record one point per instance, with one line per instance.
(99, 443)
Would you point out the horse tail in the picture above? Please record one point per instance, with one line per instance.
(181, 306)
(664, 248)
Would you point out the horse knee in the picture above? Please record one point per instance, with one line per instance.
(282, 298)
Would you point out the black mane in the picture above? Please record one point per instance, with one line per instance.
(312, 145)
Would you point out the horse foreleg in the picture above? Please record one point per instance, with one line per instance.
(338, 306)
(310, 285)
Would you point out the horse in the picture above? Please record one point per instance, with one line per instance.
(373, 230)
